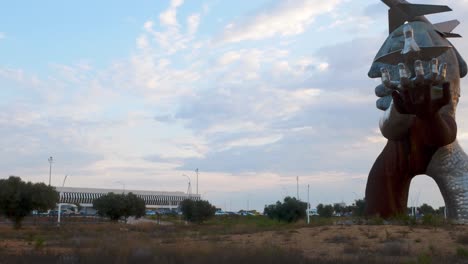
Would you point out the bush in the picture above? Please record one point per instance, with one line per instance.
(462, 253)
(325, 210)
(432, 220)
(359, 208)
(197, 211)
(426, 209)
(289, 211)
(19, 198)
(116, 206)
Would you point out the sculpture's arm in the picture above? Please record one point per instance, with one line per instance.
(438, 127)
(394, 125)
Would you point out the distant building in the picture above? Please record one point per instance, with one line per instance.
(153, 199)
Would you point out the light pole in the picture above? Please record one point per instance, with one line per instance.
(297, 185)
(197, 179)
(51, 160)
(308, 204)
(60, 204)
(189, 188)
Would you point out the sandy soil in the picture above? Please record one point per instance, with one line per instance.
(314, 242)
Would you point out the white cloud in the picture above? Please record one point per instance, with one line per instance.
(148, 26)
(142, 42)
(252, 141)
(285, 18)
(169, 17)
(193, 22)
(229, 57)
(2, 35)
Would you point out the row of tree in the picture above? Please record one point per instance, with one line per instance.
(18, 199)
(356, 209)
(291, 209)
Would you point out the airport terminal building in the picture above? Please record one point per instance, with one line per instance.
(153, 199)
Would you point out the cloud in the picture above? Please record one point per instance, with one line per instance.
(2, 35)
(168, 17)
(193, 22)
(280, 18)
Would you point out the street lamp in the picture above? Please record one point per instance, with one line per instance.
(197, 179)
(51, 160)
(189, 188)
(60, 198)
(308, 204)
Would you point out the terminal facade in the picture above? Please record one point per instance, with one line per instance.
(153, 199)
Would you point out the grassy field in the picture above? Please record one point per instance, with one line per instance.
(234, 240)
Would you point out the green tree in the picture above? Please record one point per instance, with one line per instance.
(441, 210)
(426, 209)
(19, 198)
(290, 210)
(116, 206)
(135, 206)
(359, 207)
(325, 210)
(197, 211)
(338, 208)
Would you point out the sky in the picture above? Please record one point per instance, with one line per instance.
(254, 94)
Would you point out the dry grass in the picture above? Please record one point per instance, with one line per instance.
(231, 241)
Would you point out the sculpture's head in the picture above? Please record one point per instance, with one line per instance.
(426, 35)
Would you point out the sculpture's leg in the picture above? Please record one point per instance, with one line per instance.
(449, 169)
(389, 180)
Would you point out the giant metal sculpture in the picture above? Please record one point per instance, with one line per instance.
(420, 72)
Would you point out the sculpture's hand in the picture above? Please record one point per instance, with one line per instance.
(414, 96)
(418, 100)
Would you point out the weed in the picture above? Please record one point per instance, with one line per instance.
(39, 242)
(462, 239)
(351, 248)
(462, 252)
(394, 248)
(424, 259)
(376, 221)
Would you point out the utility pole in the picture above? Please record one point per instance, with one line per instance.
(51, 160)
(189, 187)
(308, 204)
(297, 184)
(197, 179)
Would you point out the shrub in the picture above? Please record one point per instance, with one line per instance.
(461, 252)
(359, 208)
(325, 210)
(116, 206)
(426, 209)
(289, 211)
(432, 220)
(463, 239)
(19, 198)
(197, 211)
